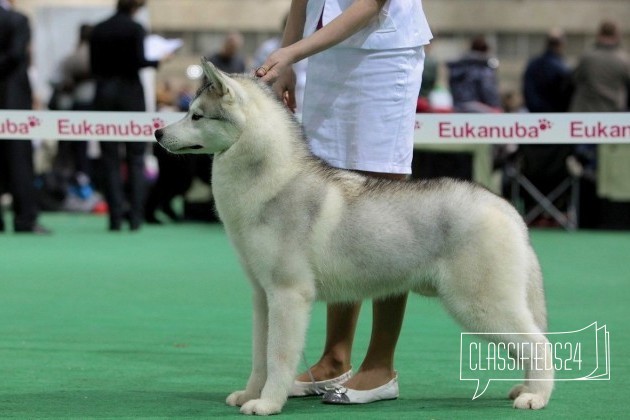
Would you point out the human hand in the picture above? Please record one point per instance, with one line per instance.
(281, 77)
(275, 66)
(284, 88)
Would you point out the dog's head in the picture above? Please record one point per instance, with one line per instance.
(215, 118)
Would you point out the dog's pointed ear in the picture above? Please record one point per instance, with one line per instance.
(215, 77)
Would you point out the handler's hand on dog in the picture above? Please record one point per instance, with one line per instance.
(277, 71)
(284, 87)
(275, 65)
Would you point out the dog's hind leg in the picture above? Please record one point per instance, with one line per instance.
(535, 352)
(493, 299)
(515, 328)
(258, 375)
(289, 310)
(538, 308)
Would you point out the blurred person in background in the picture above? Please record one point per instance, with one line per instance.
(74, 90)
(116, 56)
(474, 87)
(473, 79)
(602, 84)
(229, 59)
(602, 75)
(16, 156)
(175, 173)
(547, 87)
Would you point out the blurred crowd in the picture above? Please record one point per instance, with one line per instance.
(598, 82)
(135, 183)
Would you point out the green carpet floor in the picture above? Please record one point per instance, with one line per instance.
(157, 324)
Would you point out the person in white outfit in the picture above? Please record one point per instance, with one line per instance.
(365, 62)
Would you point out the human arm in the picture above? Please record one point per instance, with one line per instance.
(295, 48)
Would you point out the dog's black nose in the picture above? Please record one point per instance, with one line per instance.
(158, 134)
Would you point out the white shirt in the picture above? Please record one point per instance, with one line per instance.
(400, 24)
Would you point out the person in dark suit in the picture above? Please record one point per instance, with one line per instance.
(547, 87)
(116, 56)
(16, 157)
(547, 83)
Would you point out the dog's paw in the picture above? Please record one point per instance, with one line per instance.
(238, 398)
(517, 390)
(261, 407)
(529, 401)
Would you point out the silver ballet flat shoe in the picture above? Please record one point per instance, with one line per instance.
(343, 395)
(306, 389)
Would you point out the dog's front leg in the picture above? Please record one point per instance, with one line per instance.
(289, 309)
(258, 375)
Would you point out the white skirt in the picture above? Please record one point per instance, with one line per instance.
(360, 107)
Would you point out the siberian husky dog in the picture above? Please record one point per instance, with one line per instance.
(305, 231)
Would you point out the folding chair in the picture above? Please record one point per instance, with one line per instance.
(547, 202)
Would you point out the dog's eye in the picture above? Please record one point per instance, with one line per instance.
(196, 117)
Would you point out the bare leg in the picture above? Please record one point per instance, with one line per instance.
(341, 322)
(378, 366)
